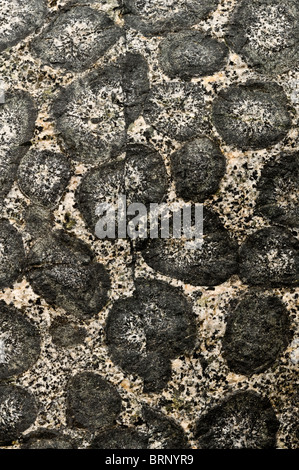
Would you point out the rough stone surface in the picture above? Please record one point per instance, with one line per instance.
(61, 269)
(90, 117)
(12, 255)
(141, 176)
(176, 110)
(192, 54)
(18, 19)
(19, 342)
(178, 259)
(17, 122)
(76, 39)
(270, 257)
(245, 420)
(66, 334)
(127, 94)
(197, 169)
(257, 333)
(167, 432)
(155, 16)
(266, 34)
(46, 439)
(43, 177)
(118, 438)
(146, 331)
(18, 411)
(278, 188)
(92, 402)
(252, 116)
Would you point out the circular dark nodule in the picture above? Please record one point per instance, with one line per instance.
(278, 187)
(43, 177)
(19, 342)
(191, 54)
(146, 331)
(18, 411)
(197, 168)
(25, 18)
(12, 254)
(270, 256)
(65, 334)
(46, 439)
(209, 265)
(90, 116)
(177, 110)
(254, 115)
(265, 34)
(164, 429)
(153, 17)
(76, 39)
(141, 177)
(244, 420)
(120, 438)
(61, 269)
(17, 123)
(257, 333)
(92, 402)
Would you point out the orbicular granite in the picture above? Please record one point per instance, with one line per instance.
(121, 343)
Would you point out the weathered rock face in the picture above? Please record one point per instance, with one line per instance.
(192, 54)
(17, 121)
(257, 333)
(252, 116)
(255, 417)
(265, 34)
(12, 255)
(211, 264)
(19, 342)
(76, 39)
(61, 269)
(146, 331)
(113, 341)
(19, 19)
(278, 187)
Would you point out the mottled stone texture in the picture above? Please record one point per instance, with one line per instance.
(152, 343)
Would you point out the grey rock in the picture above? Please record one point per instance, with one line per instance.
(253, 115)
(141, 176)
(265, 33)
(18, 19)
(164, 430)
(19, 342)
(12, 255)
(66, 334)
(18, 411)
(43, 177)
(197, 169)
(146, 331)
(76, 38)
(278, 187)
(120, 438)
(209, 265)
(154, 17)
(244, 420)
(270, 257)
(62, 270)
(190, 54)
(257, 333)
(92, 402)
(90, 116)
(17, 122)
(176, 110)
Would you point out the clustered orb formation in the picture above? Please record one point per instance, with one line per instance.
(103, 97)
